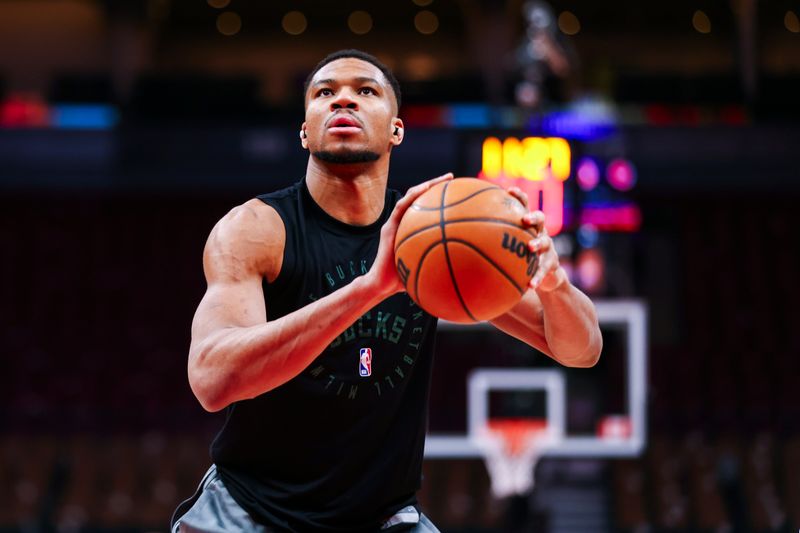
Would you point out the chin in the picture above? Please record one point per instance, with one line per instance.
(347, 156)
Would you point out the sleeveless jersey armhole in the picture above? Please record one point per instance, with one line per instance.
(287, 261)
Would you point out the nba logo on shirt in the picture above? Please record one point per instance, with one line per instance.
(365, 362)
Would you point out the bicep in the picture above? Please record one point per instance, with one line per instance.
(525, 321)
(229, 304)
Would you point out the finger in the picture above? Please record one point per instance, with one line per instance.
(534, 219)
(520, 195)
(424, 186)
(415, 192)
(540, 244)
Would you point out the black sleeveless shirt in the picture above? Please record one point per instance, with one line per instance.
(339, 447)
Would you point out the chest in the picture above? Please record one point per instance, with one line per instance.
(325, 262)
(375, 357)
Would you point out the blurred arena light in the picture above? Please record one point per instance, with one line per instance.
(219, 4)
(791, 22)
(21, 110)
(587, 235)
(590, 270)
(229, 23)
(469, 116)
(586, 119)
(701, 22)
(420, 66)
(587, 174)
(539, 17)
(426, 22)
(359, 22)
(84, 116)
(614, 427)
(623, 217)
(539, 166)
(568, 23)
(621, 174)
(528, 94)
(294, 23)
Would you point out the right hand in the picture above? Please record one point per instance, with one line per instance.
(383, 272)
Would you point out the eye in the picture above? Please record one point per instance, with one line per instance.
(325, 92)
(367, 90)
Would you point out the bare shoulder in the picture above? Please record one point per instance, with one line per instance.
(247, 242)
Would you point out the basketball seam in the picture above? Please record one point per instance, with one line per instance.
(471, 195)
(419, 269)
(488, 260)
(447, 256)
(458, 220)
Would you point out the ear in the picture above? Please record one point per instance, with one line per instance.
(303, 136)
(398, 132)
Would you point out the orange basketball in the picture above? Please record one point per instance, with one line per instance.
(462, 252)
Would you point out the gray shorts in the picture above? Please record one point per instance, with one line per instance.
(213, 510)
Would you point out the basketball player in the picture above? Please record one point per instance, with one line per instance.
(306, 337)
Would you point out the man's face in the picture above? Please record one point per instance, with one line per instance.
(350, 113)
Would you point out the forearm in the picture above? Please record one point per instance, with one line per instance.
(570, 325)
(243, 362)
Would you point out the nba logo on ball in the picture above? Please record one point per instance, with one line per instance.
(365, 362)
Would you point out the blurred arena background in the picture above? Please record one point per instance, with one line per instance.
(661, 137)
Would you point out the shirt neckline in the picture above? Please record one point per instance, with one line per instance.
(344, 227)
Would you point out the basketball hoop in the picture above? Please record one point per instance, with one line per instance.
(511, 449)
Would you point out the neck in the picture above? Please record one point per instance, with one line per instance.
(353, 194)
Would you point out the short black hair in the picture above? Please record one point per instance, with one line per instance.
(363, 56)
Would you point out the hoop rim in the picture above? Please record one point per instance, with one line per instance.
(518, 433)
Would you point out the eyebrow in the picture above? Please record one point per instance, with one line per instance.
(361, 79)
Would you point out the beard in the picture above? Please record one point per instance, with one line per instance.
(348, 157)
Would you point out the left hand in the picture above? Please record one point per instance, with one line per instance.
(549, 274)
(383, 276)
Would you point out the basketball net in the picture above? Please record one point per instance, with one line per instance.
(511, 448)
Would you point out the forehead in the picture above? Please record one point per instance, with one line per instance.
(349, 67)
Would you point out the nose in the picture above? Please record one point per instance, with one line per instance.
(344, 99)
